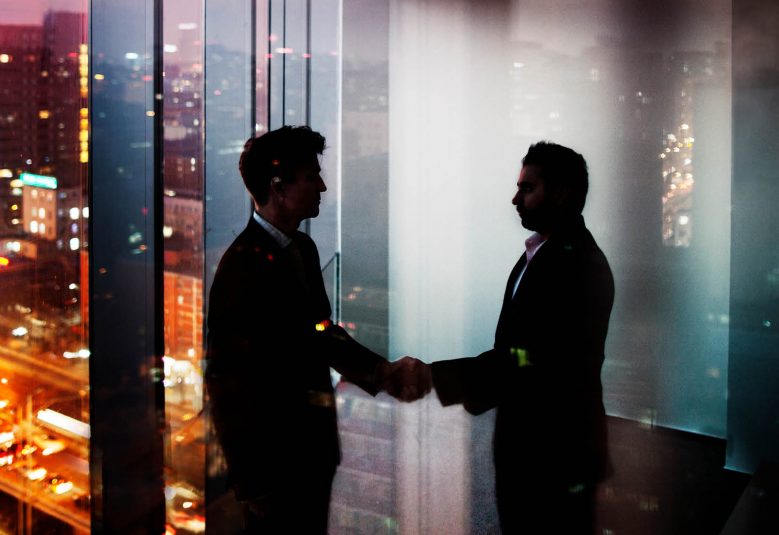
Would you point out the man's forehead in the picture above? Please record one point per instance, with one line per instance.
(309, 166)
(312, 160)
(530, 173)
(304, 161)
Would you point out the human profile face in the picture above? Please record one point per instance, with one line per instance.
(303, 193)
(534, 204)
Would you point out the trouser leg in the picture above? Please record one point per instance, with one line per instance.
(302, 508)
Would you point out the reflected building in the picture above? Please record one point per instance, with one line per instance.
(365, 490)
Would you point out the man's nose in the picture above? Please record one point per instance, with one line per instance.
(322, 186)
(515, 200)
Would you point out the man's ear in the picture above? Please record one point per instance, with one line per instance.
(562, 196)
(277, 186)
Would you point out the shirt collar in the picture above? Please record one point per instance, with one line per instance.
(533, 244)
(282, 239)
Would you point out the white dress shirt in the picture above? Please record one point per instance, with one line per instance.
(532, 245)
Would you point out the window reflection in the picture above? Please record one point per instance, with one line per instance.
(44, 355)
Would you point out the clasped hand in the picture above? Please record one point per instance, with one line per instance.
(407, 379)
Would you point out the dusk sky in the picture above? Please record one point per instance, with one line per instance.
(31, 11)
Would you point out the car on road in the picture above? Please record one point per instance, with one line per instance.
(34, 473)
(58, 484)
(16, 451)
(6, 457)
(48, 444)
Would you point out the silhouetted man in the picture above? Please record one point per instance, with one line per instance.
(543, 374)
(271, 345)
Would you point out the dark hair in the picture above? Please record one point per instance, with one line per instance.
(277, 153)
(561, 167)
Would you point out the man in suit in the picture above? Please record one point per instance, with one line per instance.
(271, 345)
(543, 373)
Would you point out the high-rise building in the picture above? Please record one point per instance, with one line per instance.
(39, 201)
(183, 304)
(20, 66)
(61, 97)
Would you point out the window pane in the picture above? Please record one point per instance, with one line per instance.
(44, 349)
(232, 113)
(183, 165)
(126, 268)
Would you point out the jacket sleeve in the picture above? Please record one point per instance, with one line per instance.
(475, 382)
(355, 362)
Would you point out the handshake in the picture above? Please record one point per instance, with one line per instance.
(407, 379)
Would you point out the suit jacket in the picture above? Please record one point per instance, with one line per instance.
(268, 364)
(543, 373)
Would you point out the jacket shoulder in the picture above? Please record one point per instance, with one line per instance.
(248, 246)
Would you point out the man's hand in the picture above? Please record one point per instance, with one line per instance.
(407, 379)
(261, 506)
